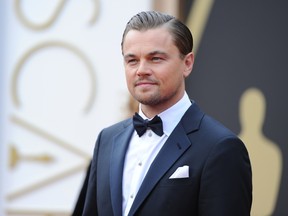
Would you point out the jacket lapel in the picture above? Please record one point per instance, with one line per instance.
(120, 144)
(175, 146)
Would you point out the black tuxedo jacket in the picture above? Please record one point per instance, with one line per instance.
(219, 183)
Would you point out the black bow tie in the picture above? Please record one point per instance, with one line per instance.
(141, 125)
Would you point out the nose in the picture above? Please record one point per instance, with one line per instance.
(143, 69)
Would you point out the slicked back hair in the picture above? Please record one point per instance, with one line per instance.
(152, 19)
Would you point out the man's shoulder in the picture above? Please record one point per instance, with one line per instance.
(119, 126)
(208, 123)
(217, 126)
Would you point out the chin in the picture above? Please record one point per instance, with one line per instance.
(149, 101)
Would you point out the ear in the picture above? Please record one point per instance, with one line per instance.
(188, 61)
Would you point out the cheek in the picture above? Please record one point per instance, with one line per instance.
(173, 84)
(129, 79)
(172, 80)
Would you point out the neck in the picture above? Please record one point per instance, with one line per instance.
(152, 110)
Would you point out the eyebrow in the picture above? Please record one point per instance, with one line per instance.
(156, 52)
(129, 56)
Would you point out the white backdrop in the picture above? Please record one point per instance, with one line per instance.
(62, 81)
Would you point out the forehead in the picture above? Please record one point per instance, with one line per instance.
(148, 40)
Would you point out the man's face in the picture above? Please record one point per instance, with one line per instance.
(155, 72)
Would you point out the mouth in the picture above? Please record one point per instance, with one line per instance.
(145, 83)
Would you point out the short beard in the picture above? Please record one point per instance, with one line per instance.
(150, 101)
(153, 100)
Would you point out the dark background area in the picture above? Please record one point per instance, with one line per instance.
(245, 45)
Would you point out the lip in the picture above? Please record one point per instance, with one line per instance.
(145, 83)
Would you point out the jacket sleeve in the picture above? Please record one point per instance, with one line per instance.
(226, 184)
(90, 205)
(78, 210)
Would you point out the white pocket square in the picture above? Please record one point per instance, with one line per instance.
(181, 172)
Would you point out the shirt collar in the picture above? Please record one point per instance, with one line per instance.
(172, 115)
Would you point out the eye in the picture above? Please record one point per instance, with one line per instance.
(156, 59)
(131, 61)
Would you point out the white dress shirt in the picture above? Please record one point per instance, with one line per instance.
(143, 150)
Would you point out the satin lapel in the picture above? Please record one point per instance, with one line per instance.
(175, 146)
(120, 144)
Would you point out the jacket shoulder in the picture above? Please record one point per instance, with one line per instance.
(117, 127)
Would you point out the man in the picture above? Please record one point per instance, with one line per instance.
(191, 164)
